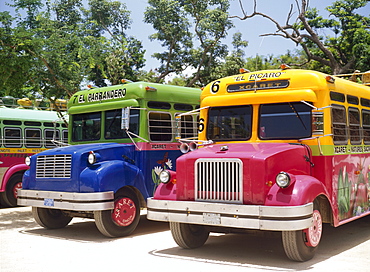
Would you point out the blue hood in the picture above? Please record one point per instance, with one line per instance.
(75, 164)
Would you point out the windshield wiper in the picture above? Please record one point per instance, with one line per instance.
(297, 114)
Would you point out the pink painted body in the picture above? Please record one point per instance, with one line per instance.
(13, 164)
(263, 161)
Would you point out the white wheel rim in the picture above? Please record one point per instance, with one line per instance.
(314, 232)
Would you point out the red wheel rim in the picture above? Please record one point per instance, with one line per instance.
(124, 212)
(15, 189)
(313, 234)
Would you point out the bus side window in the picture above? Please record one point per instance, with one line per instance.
(366, 126)
(113, 120)
(339, 124)
(188, 126)
(182, 107)
(49, 135)
(33, 137)
(86, 126)
(352, 99)
(354, 126)
(13, 137)
(160, 126)
(65, 136)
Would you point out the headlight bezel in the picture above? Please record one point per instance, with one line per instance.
(27, 160)
(283, 179)
(91, 158)
(165, 176)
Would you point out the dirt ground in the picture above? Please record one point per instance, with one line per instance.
(25, 246)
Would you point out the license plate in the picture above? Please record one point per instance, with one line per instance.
(48, 202)
(212, 218)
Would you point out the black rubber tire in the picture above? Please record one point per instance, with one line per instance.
(105, 223)
(295, 248)
(188, 235)
(294, 243)
(8, 197)
(50, 218)
(2, 200)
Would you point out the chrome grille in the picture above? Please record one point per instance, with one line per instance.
(219, 180)
(54, 166)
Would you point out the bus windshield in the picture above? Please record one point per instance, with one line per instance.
(292, 120)
(229, 123)
(87, 126)
(285, 121)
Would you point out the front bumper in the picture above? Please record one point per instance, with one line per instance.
(284, 218)
(66, 201)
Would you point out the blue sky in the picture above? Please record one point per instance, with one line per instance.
(251, 28)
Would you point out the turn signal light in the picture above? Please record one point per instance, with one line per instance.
(284, 66)
(330, 79)
(243, 71)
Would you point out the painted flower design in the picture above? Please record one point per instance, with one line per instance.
(169, 163)
(164, 164)
(158, 170)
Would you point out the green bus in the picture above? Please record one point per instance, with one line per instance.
(24, 132)
(121, 138)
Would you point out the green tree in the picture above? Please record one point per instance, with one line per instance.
(170, 21)
(348, 49)
(234, 61)
(191, 31)
(50, 49)
(211, 24)
(118, 56)
(16, 69)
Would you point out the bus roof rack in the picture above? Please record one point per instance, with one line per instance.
(358, 77)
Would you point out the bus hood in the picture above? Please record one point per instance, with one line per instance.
(245, 150)
(63, 168)
(71, 149)
(259, 164)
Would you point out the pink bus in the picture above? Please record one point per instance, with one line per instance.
(24, 132)
(281, 150)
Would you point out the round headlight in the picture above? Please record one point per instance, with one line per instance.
(27, 161)
(283, 180)
(164, 176)
(91, 158)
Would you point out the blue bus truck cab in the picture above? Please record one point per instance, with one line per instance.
(86, 180)
(110, 171)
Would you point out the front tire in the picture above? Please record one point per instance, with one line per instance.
(50, 218)
(301, 245)
(123, 219)
(189, 236)
(11, 192)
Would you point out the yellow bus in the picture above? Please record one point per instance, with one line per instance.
(282, 150)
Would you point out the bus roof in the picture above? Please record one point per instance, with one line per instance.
(129, 94)
(274, 86)
(27, 114)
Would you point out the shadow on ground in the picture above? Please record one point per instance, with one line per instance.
(264, 249)
(83, 230)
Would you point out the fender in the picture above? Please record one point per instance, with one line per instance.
(10, 172)
(165, 191)
(304, 190)
(111, 176)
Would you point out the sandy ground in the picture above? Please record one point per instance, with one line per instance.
(25, 246)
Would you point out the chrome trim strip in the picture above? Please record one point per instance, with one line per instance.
(66, 200)
(286, 218)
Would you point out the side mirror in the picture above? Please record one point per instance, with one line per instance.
(125, 119)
